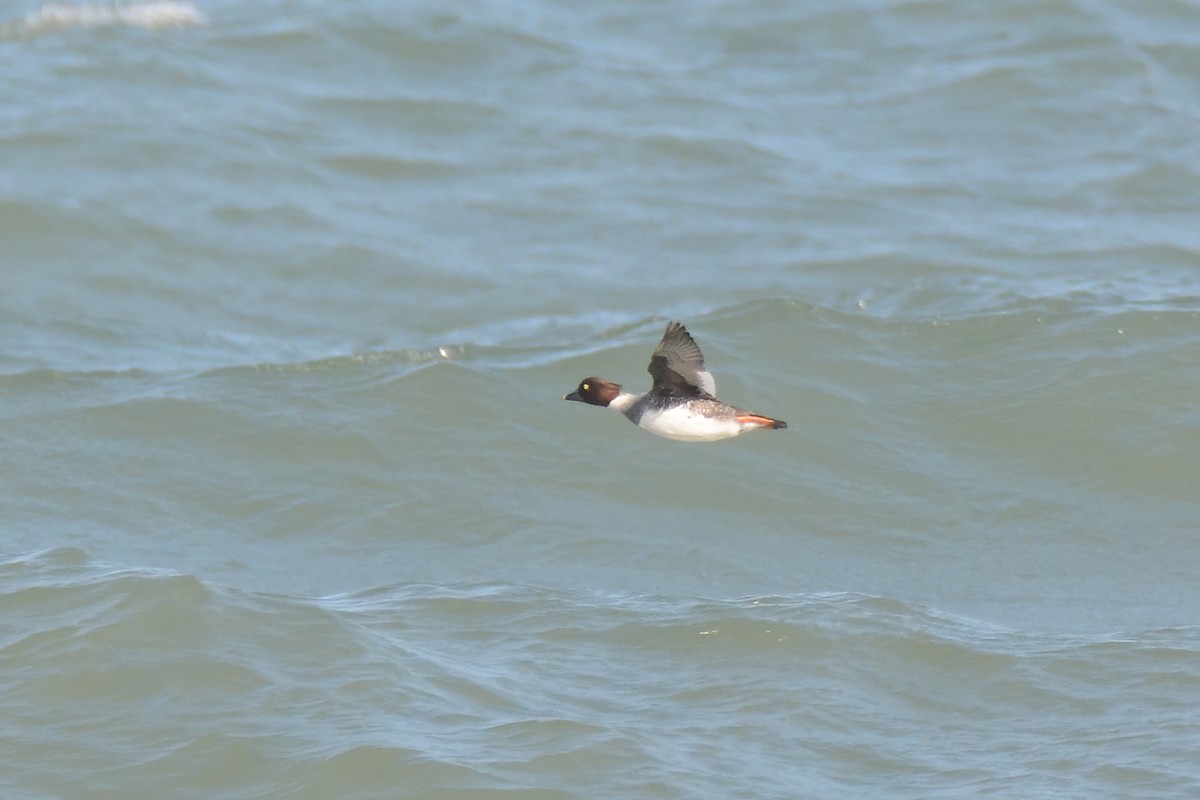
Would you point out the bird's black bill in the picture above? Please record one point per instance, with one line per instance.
(573, 396)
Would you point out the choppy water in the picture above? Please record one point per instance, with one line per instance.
(292, 506)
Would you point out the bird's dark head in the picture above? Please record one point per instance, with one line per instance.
(595, 391)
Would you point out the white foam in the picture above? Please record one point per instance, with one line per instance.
(149, 16)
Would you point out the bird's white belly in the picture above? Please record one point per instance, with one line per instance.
(684, 425)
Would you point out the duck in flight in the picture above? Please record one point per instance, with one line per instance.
(682, 403)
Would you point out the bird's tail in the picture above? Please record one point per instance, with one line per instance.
(760, 420)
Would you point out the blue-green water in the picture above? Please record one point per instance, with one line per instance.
(291, 504)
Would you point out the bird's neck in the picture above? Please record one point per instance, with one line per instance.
(623, 401)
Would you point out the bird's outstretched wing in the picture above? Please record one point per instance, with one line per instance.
(677, 366)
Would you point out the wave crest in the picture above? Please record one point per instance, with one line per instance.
(157, 15)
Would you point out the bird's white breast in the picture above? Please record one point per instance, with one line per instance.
(684, 425)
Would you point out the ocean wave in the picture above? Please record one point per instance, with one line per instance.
(952, 295)
(156, 15)
(497, 686)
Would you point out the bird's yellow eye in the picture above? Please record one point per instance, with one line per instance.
(587, 388)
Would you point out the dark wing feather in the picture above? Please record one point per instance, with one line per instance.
(677, 366)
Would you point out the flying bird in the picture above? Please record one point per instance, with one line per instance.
(681, 403)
